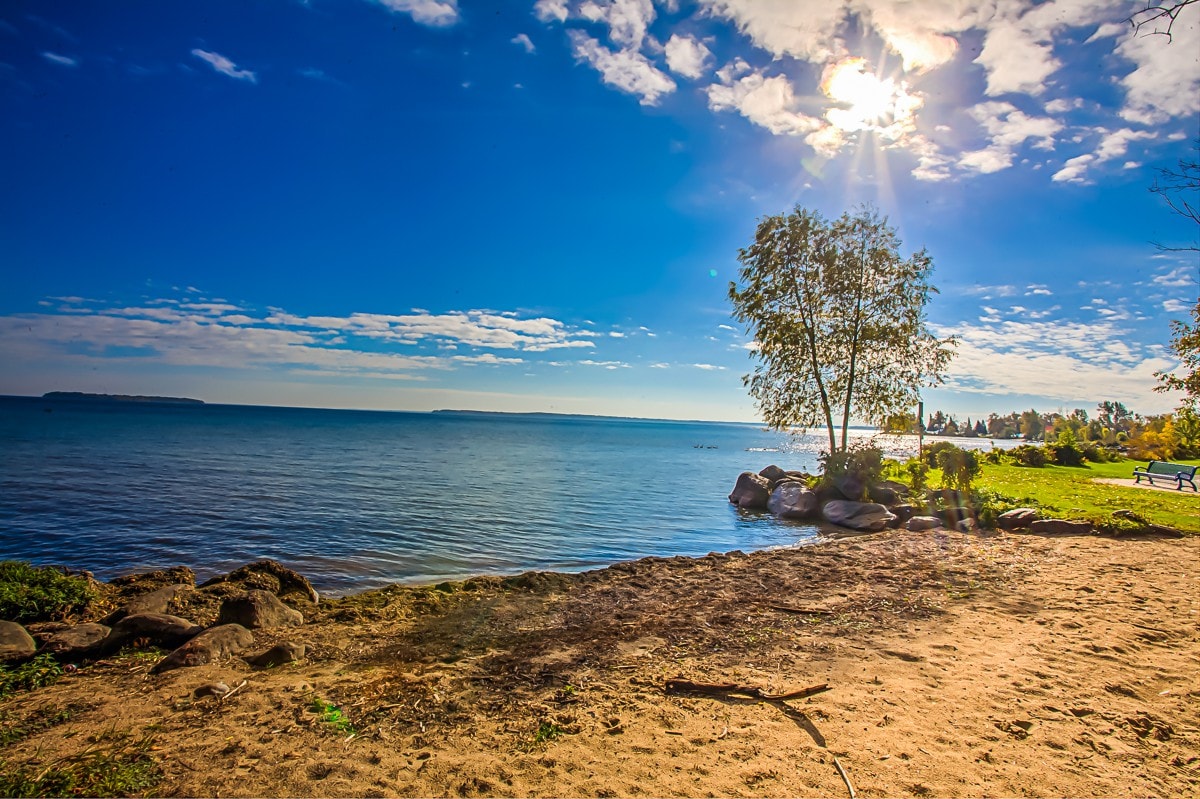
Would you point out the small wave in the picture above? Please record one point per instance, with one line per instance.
(763, 449)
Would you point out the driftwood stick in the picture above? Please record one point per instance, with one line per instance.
(723, 688)
(845, 778)
(802, 611)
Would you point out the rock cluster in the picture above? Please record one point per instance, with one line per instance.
(841, 501)
(233, 606)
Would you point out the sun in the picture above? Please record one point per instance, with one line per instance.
(867, 102)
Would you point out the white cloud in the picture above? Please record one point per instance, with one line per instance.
(550, 10)
(1113, 144)
(1175, 306)
(1165, 81)
(627, 20)
(223, 65)
(524, 40)
(1037, 289)
(1074, 170)
(804, 29)
(708, 367)
(434, 13)
(767, 102)
(627, 70)
(1008, 128)
(61, 60)
(687, 56)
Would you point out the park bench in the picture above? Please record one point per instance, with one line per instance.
(1167, 471)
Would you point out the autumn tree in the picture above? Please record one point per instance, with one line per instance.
(838, 320)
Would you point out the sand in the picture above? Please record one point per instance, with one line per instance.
(956, 664)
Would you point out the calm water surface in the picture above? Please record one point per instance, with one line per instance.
(357, 499)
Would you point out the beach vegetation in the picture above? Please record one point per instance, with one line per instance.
(329, 713)
(959, 467)
(547, 731)
(37, 672)
(125, 769)
(861, 461)
(29, 593)
(838, 322)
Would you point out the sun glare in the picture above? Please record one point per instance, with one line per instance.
(867, 101)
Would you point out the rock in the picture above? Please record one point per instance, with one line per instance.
(903, 512)
(156, 579)
(80, 641)
(773, 473)
(792, 500)
(217, 689)
(156, 601)
(215, 643)
(858, 515)
(258, 609)
(268, 575)
(967, 526)
(277, 655)
(850, 486)
(751, 491)
(1060, 527)
(1016, 519)
(919, 524)
(157, 628)
(953, 515)
(15, 642)
(884, 495)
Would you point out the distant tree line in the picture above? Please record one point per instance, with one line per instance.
(1113, 426)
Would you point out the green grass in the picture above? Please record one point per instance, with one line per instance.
(1072, 493)
(331, 714)
(28, 593)
(127, 770)
(42, 670)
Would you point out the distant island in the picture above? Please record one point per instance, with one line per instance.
(82, 396)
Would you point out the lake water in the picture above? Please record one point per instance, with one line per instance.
(358, 499)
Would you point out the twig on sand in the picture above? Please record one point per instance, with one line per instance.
(845, 778)
(232, 691)
(802, 611)
(679, 684)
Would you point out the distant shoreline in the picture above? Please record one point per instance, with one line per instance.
(82, 396)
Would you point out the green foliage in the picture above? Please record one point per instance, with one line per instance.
(838, 317)
(1064, 454)
(863, 461)
(1185, 342)
(959, 467)
(30, 594)
(43, 719)
(1028, 455)
(989, 504)
(121, 771)
(547, 731)
(933, 450)
(39, 672)
(331, 714)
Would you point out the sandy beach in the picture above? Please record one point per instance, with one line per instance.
(955, 665)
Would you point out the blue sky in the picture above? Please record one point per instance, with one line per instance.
(537, 206)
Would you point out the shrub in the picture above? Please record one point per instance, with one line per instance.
(41, 671)
(40, 594)
(1028, 455)
(1064, 454)
(959, 467)
(863, 461)
(989, 505)
(933, 450)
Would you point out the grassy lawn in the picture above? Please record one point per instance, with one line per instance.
(1072, 493)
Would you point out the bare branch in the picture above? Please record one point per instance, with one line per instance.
(1157, 18)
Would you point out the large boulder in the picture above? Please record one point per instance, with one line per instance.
(919, 524)
(869, 516)
(1016, 519)
(15, 642)
(159, 629)
(215, 643)
(149, 581)
(80, 641)
(850, 486)
(773, 473)
(792, 500)
(751, 492)
(902, 512)
(951, 516)
(156, 601)
(258, 609)
(1060, 527)
(268, 575)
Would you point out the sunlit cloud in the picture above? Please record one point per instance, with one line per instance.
(434, 13)
(61, 60)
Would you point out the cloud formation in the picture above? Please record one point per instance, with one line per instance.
(223, 65)
(434, 13)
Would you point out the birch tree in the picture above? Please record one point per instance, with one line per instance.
(838, 322)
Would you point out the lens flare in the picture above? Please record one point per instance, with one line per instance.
(867, 102)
